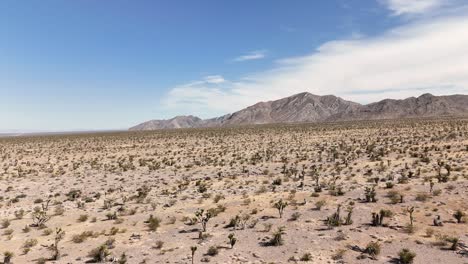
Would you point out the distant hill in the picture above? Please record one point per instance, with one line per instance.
(306, 107)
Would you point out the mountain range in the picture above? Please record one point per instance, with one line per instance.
(309, 108)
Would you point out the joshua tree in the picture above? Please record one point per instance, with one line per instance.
(7, 256)
(280, 205)
(203, 217)
(370, 194)
(334, 219)
(410, 210)
(348, 220)
(40, 216)
(377, 218)
(54, 248)
(193, 249)
(232, 240)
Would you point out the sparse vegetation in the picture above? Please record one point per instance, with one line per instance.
(236, 191)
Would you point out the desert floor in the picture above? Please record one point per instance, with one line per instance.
(133, 196)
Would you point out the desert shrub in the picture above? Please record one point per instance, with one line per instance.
(319, 204)
(277, 237)
(306, 257)
(30, 243)
(83, 218)
(5, 223)
(218, 197)
(159, 244)
(406, 256)
(153, 223)
(19, 214)
(212, 251)
(422, 197)
(80, 238)
(373, 249)
(295, 216)
(99, 254)
(8, 232)
(459, 215)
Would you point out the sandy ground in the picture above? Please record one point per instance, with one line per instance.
(238, 172)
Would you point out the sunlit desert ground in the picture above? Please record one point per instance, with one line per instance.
(352, 192)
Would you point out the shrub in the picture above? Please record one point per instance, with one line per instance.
(422, 197)
(373, 249)
(212, 251)
(459, 216)
(306, 257)
(99, 254)
(277, 239)
(5, 223)
(83, 218)
(295, 216)
(406, 256)
(319, 204)
(153, 223)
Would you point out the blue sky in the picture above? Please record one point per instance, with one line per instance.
(85, 65)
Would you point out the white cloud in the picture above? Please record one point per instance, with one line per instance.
(216, 79)
(401, 7)
(428, 55)
(253, 55)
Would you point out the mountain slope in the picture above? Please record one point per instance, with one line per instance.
(426, 105)
(303, 107)
(176, 122)
(306, 107)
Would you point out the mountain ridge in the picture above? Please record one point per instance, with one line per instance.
(310, 108)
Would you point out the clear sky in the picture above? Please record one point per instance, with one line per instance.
(110, 64)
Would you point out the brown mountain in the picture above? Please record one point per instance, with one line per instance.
(426, 105)
(176, 122)
(306, 107)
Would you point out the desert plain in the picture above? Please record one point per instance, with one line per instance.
(349, 192)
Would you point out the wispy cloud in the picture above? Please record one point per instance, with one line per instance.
(216, 79)
(253, 55)
(424, 55)
(405, 7)
(400, 7)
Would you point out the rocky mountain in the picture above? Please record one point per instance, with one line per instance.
(306, 107)
(176, 122)
(426, 105)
